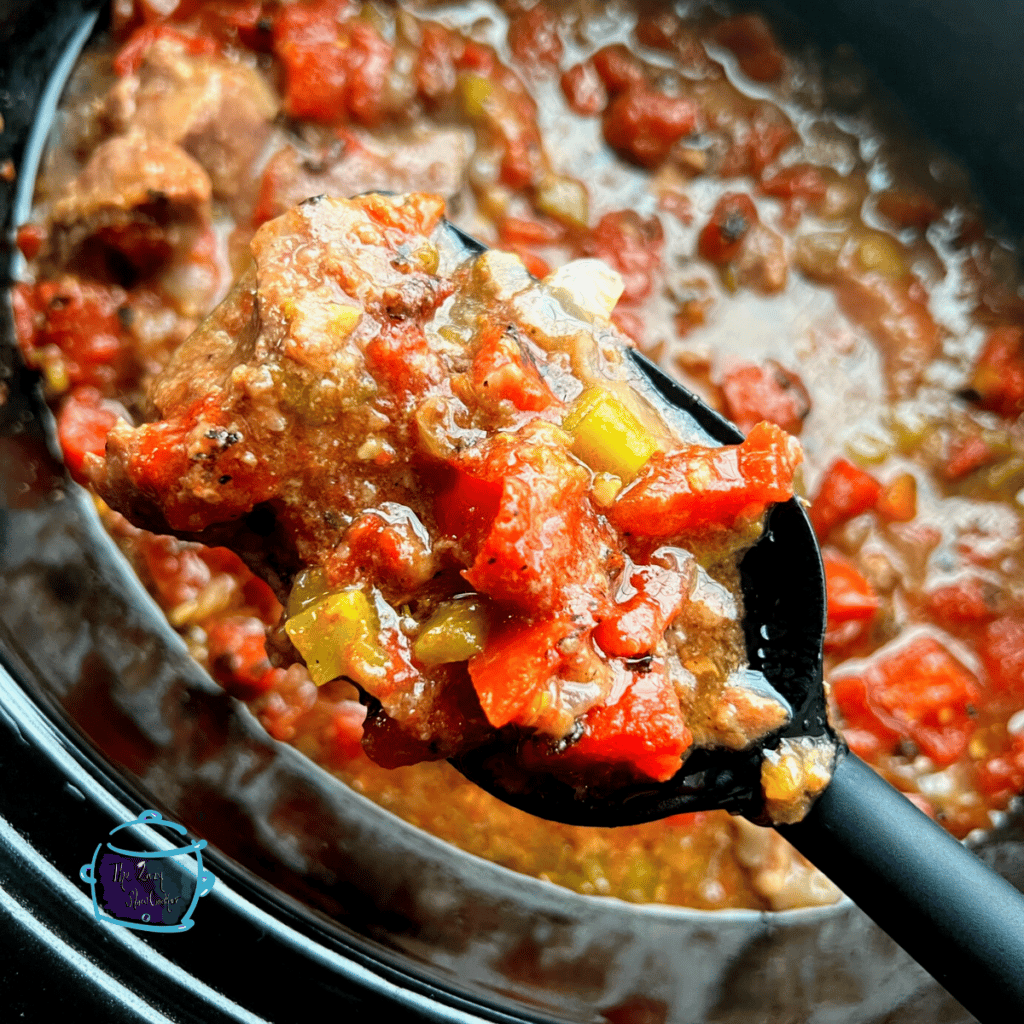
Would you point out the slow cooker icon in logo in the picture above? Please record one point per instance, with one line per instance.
(150, 890)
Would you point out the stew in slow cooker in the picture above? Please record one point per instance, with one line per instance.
(476, 515)
(778, 251)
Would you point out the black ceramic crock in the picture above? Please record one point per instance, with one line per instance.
(322, 901)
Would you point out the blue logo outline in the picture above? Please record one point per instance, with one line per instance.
(205, 881)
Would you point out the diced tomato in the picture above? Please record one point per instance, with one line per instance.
(1002, 653)
(224, 19)
(402, 358)
(850, 595)
(79, 321)
(998, 378)
(733, 216)
(658, 29)
(345, 732)
(1001, 776)
(237, 22)
(765, 392)
(642, 124)
(763, 140)
(533, 38)
(964, 603)
(845, 491)
(418, 214)
(843, 638)
(632, 245)
(129, 58)
(867, 735)
(695, 489)
(467, 506)
(83, 423)
(238, 656)
(638, 623)
(283, 707)
(922, 692)
(750, 38)
(502, 372)
(583, 89)
(617, 68)
(333, 69)
(376, 548)
(176, 568)
(966, 454)
(25, 309)
(799, 181)
(30, 239)
(927, 690)
(543, 538)
(522, 231)
(510, 675)
(644, 728)
(476, 57)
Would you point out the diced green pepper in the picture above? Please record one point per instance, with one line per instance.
(475, 94)
(565, 199)
(337, 636)
(309, 586)
(455, 632)
(607, 436)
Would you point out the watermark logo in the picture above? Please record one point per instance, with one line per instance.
(149, 890)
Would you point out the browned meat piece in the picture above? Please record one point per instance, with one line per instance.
(217, 110)
(761, 263)
(426, 160)
(271, 399)
(876, 288)
(137, 196)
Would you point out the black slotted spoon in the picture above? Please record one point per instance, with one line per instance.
(959, 919)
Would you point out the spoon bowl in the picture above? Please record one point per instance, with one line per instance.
(783, 585)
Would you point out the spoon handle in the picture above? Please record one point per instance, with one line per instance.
(953, 914)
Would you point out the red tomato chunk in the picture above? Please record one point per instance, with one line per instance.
(917, 691)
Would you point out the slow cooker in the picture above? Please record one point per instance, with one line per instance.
(317, 899)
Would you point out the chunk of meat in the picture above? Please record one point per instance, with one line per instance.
(761, 264)
(875, 288)
(268, 358)
(218, 111)
(137, 196)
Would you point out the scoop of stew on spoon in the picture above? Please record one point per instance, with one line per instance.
(959, 919)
